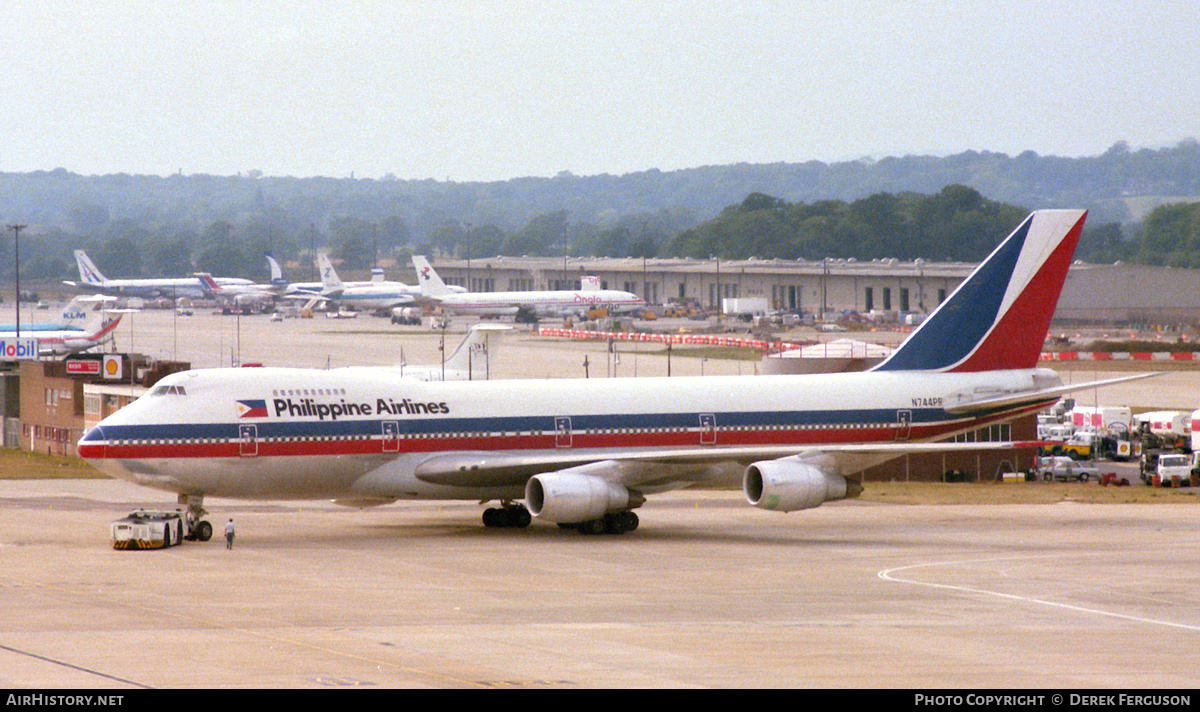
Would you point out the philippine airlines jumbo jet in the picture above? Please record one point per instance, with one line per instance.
(557, 302)
(91, 280)
(586, 453)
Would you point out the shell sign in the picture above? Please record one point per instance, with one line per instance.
(114, 367)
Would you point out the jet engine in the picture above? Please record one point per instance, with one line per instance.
(570, 497)
(787, 485)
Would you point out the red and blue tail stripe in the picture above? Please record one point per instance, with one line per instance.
(998, 317)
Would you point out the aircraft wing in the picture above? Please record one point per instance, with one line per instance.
(304, 297)
(634, 467)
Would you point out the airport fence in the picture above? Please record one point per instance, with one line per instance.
(1120, 356)
(686, 339)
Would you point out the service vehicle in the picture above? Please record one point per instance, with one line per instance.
(1065, 469)
(1079, 447)
(1055, 431)
(1173, 469)
(148, 530)
(408, 316)
(1100, 417)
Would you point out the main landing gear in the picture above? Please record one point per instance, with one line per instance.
(511, 515)
(197, 529)
(611, 523)
(507, 516)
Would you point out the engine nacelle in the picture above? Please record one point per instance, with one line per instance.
(570, 497)
(786, 486)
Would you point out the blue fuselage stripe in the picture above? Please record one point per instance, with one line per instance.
(350, 428)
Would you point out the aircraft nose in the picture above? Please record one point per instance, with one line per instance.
(91, 445)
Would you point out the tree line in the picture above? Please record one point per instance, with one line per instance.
(955, 224)
(914, 206)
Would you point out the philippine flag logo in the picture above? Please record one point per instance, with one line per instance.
(252, 408)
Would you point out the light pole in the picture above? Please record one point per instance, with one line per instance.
(467, 239)
(17, 269)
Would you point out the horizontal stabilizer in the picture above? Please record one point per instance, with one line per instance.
(1032, 397)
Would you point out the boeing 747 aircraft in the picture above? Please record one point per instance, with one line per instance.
(553, 303)
(587, 453)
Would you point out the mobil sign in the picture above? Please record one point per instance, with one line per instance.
(18, 349)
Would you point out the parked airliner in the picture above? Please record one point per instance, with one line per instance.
(251, 296)
(471, 361)
(586, 453)
(82, 325)
(365, 296)
(553, 303)
(93, 281)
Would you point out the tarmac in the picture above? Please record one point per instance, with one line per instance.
(707, 593)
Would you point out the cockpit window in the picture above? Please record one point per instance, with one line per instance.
(168, 391)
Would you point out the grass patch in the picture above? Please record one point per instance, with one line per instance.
(726, 353)
(1022, 493)
(21, 465)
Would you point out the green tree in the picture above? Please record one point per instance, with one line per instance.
(223, 260)
(544, 235)
(172, 258)
(119, 257)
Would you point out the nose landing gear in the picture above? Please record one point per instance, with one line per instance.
(197, 529)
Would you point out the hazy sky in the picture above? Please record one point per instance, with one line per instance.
(460, 90)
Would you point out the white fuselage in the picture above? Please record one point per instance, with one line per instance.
(556, 303)
(64, 340)
(344, 433)
(173, 288)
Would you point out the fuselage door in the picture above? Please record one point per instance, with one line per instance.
(903, 424)
(562, 431)
(391, 436)
(248, 440)
(708, 429)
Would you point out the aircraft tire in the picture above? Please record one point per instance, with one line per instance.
(204, 531)
(620, 522)
(507, 517)
(521, 516)
(615, 523)
(592, 526)
(491, 518)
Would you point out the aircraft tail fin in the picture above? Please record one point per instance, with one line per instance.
(431, 284)
(208, 284)
(79, 311)
(104, 330)
(474, 354)
(998, 317)
(329, 276)
(88, 272)
(590, 283)
(277, 279)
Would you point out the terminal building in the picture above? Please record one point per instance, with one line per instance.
(48, 405)
(885, 289)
